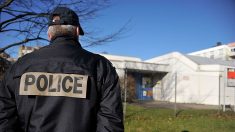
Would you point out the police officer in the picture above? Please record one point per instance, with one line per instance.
(61, 87)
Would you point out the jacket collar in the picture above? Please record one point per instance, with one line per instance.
(65, 40)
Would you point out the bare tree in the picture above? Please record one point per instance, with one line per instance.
(27, 19)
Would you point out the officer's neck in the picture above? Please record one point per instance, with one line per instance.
(63, 38)
(69, 40)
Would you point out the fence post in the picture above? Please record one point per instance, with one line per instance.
(125, 92)
(175, 93)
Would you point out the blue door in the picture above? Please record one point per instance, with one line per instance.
(144, 90)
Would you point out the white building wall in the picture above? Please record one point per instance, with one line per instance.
(191, 87)
(201, 84)
(194, 83)
(174, 58)
(202, 88)
(120, 58)
(229, 97)
(120, 72)
(219, 52)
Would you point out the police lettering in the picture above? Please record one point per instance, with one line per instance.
(53, 84)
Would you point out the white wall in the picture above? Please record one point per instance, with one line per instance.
(193, 87)
(194, 84)
(218, 52)
(120, 58)
(229, 97)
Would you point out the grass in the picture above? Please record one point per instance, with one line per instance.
(140, 119)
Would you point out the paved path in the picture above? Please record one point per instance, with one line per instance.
(170, 105)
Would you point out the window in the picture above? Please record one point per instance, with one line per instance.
(232, 49)
(212, 56)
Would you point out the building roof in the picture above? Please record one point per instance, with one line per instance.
(208, 61)
(191, 60)
(209, 49)
(120, 58)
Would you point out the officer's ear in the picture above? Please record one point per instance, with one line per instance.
(78, 31)
(49, 35)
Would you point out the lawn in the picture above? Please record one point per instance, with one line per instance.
(140, 119)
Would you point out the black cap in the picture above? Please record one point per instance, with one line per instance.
(66, 17)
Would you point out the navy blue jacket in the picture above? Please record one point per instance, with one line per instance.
(100, 111)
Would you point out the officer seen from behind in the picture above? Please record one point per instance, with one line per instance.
(61, 87)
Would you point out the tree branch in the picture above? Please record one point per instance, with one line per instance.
(21, 42)
(27, 19)
(15, 18)
(6, 4)
(21, 16)
(107, 38)
(69, 4)
(14, 30)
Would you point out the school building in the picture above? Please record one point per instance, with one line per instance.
(183, 78)
(202, 77)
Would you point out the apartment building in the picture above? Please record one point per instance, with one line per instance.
(222, 52)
